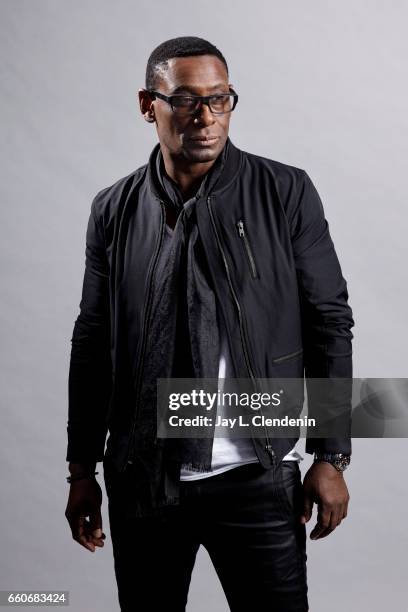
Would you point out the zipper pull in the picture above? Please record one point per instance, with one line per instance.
(241, 230)
(271, 452)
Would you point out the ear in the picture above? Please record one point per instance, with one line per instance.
(146, 106)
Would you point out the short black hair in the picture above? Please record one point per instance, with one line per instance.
(183, 46)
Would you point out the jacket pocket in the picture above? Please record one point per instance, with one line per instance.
(288, 356)
(243, 235)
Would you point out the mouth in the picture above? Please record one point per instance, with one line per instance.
(204, 141)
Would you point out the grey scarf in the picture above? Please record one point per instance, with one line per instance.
(184, 332)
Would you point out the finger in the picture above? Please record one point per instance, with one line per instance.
(307, 509)
(337, 515)
(96, 541)
(95, 524)
(323, 522)
(91, 539)
(333, 524)
(339, 519)
(81, 534)
(86, 543)
(319, 531)
(327, 531)
(95, 527)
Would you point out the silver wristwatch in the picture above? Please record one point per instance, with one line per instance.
(340, 461)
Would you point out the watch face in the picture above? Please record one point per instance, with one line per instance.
(339, 461)
(342, 463)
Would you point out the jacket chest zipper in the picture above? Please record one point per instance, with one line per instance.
(288, 356)
(146, 317)
(247, 247)
(268, 446)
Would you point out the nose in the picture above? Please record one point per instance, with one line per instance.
(203, 115)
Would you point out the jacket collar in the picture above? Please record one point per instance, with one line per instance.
(231, 163)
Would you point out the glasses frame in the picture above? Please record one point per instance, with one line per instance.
(201, 99)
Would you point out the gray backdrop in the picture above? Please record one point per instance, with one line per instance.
(330, 86)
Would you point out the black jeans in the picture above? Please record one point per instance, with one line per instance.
(247, 518)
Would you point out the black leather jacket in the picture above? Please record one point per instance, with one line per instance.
(277, 278)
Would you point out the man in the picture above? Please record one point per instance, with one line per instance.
(207, 261)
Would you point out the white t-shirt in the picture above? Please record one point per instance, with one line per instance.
(229, 453)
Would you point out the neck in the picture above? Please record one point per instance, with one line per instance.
(188, 176)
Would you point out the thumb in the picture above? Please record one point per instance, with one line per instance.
(307, 509)
(97, 533)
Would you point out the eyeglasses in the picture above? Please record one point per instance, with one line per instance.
(219, 104)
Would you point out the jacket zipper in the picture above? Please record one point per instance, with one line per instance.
(247, 247)
(268, 446)
(130, 449)
(284, 357)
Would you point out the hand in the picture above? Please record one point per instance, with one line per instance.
(324, 485)
(85, 499)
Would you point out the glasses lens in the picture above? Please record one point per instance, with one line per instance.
(184, 104)
(221, 103)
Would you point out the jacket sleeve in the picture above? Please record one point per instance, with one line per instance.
(326, 317)
(90, 371)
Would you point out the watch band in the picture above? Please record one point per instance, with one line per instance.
(340, 461)
(82, 476)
